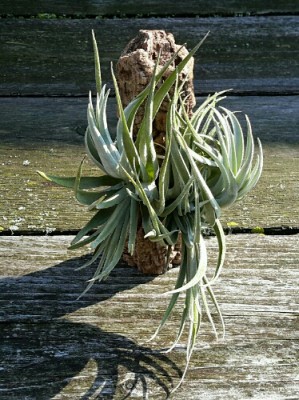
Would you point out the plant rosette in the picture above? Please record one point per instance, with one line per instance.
(207, 163)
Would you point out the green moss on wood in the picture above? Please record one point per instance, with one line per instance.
(258, 229)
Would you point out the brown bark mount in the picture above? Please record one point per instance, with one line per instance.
(134, 70)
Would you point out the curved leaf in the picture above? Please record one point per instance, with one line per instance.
(96, 221)
(86, 182)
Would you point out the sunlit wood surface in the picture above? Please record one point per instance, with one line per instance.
(56, 346)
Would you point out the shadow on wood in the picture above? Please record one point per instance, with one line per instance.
(45, 355)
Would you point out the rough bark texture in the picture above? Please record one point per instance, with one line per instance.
(136, 66)
(135, 69)
(150, 257)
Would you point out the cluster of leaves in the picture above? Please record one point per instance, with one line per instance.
(206, 165)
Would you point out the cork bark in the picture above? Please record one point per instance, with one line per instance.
(134, 71)
(150, 257)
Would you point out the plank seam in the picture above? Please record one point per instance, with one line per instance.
(233, 93)
(53, 16)
(268, 231)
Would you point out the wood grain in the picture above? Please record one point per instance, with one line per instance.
(32, 122)
(47, 134)
(54, 346)
(54, 57)
(147, 8)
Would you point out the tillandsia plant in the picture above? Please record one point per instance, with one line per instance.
(175, 194)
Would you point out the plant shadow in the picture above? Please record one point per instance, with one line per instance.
(43, 354)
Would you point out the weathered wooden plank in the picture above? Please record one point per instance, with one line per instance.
(146, 8)
(47, 134)
(30, 204)
(56, 347)
(72, 367)
(54, 57)
(267, 264)
(29, 121)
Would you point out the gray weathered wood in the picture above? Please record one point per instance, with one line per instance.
(54, 346)
(47, 134)
(145, 7)
(31, 122)
(54, 57)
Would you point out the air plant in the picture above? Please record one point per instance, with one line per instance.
(206, 165)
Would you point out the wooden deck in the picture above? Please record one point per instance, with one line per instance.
(56, 346)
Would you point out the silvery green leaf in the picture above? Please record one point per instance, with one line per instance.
(171, 207)
(151, 234)
(101, 121)
(92, 151)
(85, 241)
(112, 200)
(133, 225)
(108, 155)
(238, 140)
(207, 309)
(245, 168)
(255, 174)
(114, 250)
(96, 221)
(164, 174)
(86, 182)
(118, 214)
(217, 227)
(146, 146)
(98, 76)
(214, 300)
(124, 135)
(174, 297)
(199, 178)
(202, 260)
(204, 109)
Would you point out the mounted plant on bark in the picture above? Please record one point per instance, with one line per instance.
(168, 191)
